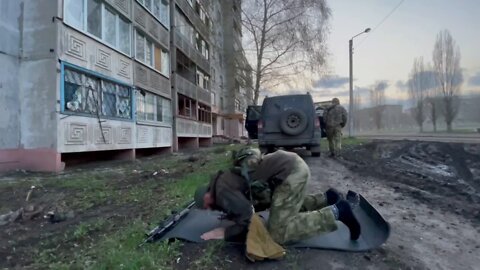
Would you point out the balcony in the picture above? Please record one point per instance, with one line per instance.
(191, 90)
(192, 128)
(194, 18)
(187, 48)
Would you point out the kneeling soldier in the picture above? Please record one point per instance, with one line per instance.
(277, 182)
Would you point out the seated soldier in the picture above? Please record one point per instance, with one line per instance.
(277, 182)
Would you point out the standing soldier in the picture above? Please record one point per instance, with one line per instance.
(276, 181)
(335, 118)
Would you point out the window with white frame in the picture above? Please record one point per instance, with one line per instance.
(147, 52)
(85, 93)
(203, 80)
(99, 20)
(213, 98)
(151, 107)
(159, 9)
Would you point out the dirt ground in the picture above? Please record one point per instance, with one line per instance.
(429, 192)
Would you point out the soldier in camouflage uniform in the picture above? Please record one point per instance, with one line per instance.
(335, 118)
(277, 182)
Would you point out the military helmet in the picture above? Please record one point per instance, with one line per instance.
(244, 153)
(335, 101)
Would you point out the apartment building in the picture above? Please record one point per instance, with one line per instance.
(96, 79)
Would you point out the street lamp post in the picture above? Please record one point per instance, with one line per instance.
(350, 106)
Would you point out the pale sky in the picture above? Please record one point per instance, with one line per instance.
(387, 52)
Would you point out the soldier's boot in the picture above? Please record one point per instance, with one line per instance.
(333, 196)
(353, 199)
(345, 215)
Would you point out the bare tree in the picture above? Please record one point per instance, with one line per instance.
(284, 39)
(377, 100)
(446, 64)
(417, 91)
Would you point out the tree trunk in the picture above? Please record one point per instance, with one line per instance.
(449, 126)
(434, 118)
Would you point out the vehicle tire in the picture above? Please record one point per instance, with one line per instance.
(293, 122)
(315, 151)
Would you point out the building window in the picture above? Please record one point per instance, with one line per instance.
(237, 105)
(85, 93)
(75, 13)
(203, 80)
(204, 114)
(186, 107)
(151, 107)
(102, 22)
(159, 9)
(152, 55)
(213, 99)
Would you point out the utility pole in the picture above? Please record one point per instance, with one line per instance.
(350, 105)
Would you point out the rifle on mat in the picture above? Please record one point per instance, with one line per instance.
(170, 222)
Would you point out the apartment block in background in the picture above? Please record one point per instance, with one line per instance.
(106, 79)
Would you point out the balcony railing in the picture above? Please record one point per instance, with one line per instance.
(187, 48)
(192, 128)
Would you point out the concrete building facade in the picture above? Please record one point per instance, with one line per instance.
(90, 79)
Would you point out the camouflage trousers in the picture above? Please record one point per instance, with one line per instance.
(334, 136)
(295, 216)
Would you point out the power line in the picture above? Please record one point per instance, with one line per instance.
(381, 22)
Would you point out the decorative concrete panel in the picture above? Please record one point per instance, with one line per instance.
(76, 134)
(203, 95)
(103, 59)
(122, 6)
(155, 79)
(141, 75)
(142, 134)
(76, 47)
(124, 135)
(185, 87)
(124, 68)
(140, 15)
(151, 80)
(153, 26)
(149, 136)
(84, 51)
(163, 136)
(81, 134)
(107, 137)
(191, 128)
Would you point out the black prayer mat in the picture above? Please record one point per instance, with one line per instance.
(375, 230)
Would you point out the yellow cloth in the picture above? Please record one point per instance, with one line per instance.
(260, 244)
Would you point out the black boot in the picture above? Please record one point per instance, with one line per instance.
(353, 198)
(345, 215)
(333, 196)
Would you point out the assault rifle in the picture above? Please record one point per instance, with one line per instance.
(170, 222)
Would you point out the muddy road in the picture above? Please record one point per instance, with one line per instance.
(429, 192)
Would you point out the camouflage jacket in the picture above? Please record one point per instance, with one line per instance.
(335, 116)
(231, 191)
